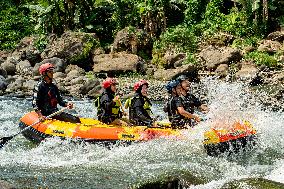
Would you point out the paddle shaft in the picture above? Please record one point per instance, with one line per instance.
(4, 140)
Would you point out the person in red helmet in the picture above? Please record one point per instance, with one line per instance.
(109, 105)
(47, 96)
(140, 105)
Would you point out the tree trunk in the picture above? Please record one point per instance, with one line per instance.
(265, 11)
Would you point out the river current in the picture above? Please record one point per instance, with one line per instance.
(56, 163)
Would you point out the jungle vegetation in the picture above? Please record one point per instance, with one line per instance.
(174, 25)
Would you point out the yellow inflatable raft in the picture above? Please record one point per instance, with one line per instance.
(91, 130)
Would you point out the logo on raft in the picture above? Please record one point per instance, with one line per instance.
(58, 131)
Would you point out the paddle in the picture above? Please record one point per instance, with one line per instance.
(4, 140)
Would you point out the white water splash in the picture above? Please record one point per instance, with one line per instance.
(126, 165)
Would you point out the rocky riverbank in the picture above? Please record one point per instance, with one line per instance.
(80, 66)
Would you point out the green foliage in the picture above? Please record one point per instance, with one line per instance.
(195, 10)
(240, 43)
(178, 39)
(14, 24)
(41, 42)
(89, 44)
(236, 23)
(174, 40)
(190, 59)
(261, 58)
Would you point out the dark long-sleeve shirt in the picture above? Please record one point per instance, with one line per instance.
(46, 97)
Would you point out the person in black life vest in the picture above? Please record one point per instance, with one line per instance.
(171, 107)
(140, 105)
(47, 96)
(186, 104)
(109, 104)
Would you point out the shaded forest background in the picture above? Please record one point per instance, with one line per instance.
(170, 25)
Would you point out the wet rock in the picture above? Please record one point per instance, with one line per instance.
(256, 183)
(3, 83)
(248, 72)
(89, 85)
(173, 181)
(6, 185)
(222, 70)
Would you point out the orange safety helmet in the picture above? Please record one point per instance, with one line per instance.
(138, 84)
(108, 82)
(45, 67)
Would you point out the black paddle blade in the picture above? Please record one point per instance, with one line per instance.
(4, 140)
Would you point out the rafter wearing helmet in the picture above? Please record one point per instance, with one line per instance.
(140, 105)
(108, 103)
(47, 96)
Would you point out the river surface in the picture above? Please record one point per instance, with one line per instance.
(63, 164)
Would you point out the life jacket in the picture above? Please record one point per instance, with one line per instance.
(147, 106)
(52, 99)
(102, 115)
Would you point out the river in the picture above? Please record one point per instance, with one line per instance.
(57, 163)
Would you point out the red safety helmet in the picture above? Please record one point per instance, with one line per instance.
(45, 67)
(108, 82)
(138, 84)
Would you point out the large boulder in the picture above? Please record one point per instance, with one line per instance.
(249, 73)
(26, 50)
(24, 68)
(269, 46)
(74, 47)
(92, 85)
(3, 72)
(276, 36)
(222, 70)
(168, 74)
(174, 60)
(3, 83)
(118, 63)
(131, 41)
(10, 65)
(214, 56)
(59, 64)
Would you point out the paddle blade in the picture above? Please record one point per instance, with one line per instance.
(4, 140)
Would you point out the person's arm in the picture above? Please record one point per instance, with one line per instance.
(186, 114)
(183, 112)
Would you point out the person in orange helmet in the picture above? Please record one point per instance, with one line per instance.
(47, 96)
(109, 105)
